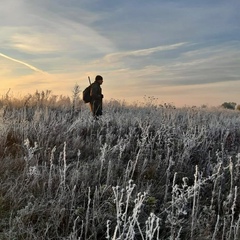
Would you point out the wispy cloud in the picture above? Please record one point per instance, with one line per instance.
(142, 52)
(23, 63)
(190, 65)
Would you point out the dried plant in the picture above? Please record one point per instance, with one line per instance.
(142, 171)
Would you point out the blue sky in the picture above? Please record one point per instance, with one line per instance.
(181, 52)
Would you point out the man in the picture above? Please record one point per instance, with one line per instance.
(96, 97)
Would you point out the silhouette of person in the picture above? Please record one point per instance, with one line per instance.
(96, 97)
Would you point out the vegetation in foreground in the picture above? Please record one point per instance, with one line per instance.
(140, 172)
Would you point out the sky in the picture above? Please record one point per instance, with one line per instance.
(182, 52)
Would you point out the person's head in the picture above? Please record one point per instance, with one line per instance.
(99, 79)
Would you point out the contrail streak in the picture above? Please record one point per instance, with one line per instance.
(23, 63)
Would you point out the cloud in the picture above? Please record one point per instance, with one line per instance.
(23, 63)
(49, 28)
(191, 64)
(142, 52)
(33, 42)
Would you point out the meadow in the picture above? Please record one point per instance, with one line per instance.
(140, 172)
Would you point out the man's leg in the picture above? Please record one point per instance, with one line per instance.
(99, 110)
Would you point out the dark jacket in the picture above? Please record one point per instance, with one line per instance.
(96, 102)
(96, 92)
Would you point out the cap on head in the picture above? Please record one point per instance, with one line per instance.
(98, 77)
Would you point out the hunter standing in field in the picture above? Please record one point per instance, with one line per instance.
(96, 97)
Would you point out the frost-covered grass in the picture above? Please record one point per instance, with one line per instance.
(140, 172)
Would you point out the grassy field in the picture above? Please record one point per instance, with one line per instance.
(140, 172)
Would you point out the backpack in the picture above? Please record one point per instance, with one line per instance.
(86, 92)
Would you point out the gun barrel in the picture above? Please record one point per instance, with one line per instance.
(89, 80)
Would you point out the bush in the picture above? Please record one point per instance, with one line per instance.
(229, 105)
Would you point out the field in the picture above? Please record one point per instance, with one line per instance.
(140, 172)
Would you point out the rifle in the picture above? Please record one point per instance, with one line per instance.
(89, 80)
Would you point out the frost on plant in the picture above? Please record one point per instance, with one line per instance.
(128, 210)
